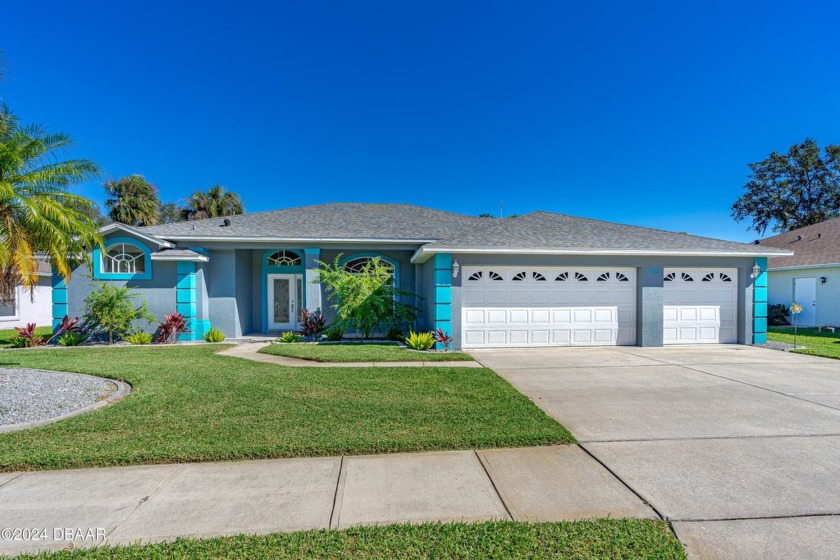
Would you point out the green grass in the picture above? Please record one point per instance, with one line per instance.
(357, 352)
(190, 404)
(825, 344)
(6, 335)
(579, 540)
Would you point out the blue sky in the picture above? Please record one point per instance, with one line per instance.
(644, 114)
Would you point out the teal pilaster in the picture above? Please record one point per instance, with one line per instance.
(59, 300)
(186, 302)
(443, 293)
(760, 303)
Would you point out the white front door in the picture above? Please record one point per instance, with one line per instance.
(284, 298)
(805, 294)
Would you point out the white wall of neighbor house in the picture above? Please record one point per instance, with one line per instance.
(780, 290)
(26, 310)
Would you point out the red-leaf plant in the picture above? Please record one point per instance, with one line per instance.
(312, 324)
(443, 338)
(170, 328)
(67, 325)
(28, 333)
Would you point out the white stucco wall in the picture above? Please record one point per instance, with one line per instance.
(780, 290)
(28, 311)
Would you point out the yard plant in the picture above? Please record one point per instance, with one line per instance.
(360, 352)
(112, 310)
(815, 342)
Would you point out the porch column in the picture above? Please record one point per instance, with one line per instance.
(760, 303)
(312, 290)
(650, 311)
(443, 293)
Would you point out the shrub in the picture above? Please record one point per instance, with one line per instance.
(72, 338)
(420, 341)
(334, 333)
(111, 309)
(29, 337)
(777, 315)
(170, 328)
(443, 338)
(18, 342)
(312, 324)
(396, 334)
(139, 337)
(214, 335)
(289, 337)
(367, 298)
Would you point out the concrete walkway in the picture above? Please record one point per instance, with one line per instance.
(250, 351)
(161, 502)
(737, 447)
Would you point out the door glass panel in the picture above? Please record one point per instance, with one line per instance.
(299, 295)
(281, 300)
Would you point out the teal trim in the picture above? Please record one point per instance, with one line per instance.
(200, 250)
(59, 310)
(267, 269)
(59, 300)
(760, 303)
(186, 298)
(59, 296)
(312, 251)
(188, 310)
(96, 264)
(443, 294)
(186, 282)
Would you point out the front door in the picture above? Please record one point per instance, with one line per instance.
(805, 294)
(284, 298)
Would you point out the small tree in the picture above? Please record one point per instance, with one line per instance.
(367, 298)
(112, 310)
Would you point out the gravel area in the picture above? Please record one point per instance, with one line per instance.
(783, 346)
(30, 395)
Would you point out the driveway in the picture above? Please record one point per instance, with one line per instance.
(738, 447)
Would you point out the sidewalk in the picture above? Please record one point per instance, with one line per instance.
(249, 351)
(160, 502)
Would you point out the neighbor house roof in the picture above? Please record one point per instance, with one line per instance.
(435, 231)
(816, 245)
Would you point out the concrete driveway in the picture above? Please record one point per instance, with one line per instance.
(738, 447)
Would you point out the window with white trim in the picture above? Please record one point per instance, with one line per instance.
(124, 258)
(9, 310)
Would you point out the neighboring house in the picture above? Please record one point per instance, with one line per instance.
(540, 279)
(30, 306)
(811, 276)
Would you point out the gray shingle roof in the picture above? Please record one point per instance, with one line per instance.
(445, 230)
(177, 254)
(813, 245)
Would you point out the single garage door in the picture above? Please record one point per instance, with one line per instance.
(700, 306)
(547, 306)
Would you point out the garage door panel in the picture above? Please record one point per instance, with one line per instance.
(702, 311)
(550, 312)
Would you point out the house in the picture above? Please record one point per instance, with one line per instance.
(809, 277)
(33, 306)
(541, 279)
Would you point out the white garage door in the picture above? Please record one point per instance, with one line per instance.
(701, 306)
(547, 306)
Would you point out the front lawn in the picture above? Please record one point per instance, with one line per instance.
(579, 540)
(190, 404)
(6, 335)
(360, 352)
(825, 344)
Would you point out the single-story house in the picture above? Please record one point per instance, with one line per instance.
(540, 279)
(33, 306)
(809, 277)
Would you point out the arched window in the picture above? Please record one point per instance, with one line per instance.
(284, 258)
(124, 258)
(357, 264)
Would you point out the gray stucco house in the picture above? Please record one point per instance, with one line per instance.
(810, 276)
(541, 279)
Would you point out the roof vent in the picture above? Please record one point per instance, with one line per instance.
(757, 242)
(819, 235)
(799, 238)
(193, 227)
(226, 222)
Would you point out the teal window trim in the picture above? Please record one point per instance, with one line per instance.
(267, 269)
(97, 263)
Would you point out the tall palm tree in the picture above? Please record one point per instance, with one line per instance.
(215, 202)
(38, 214)
(133, 201)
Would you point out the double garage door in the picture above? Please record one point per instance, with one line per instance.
(586, 306)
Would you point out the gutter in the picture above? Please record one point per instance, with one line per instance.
(803, 267)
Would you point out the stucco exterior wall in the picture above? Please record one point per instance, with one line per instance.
(780, 291)
(29, 310)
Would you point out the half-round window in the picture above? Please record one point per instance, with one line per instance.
(124, 258)
(284, 258)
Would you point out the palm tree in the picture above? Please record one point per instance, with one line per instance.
(133, 201)
(38, 214)
(215, 202)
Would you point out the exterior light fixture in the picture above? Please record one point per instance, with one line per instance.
(823, 279)
(455, 268)
(756, 271)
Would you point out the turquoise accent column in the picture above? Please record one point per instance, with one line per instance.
(59, 300)
(443, 293)
(186, 301)
(760, 303)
